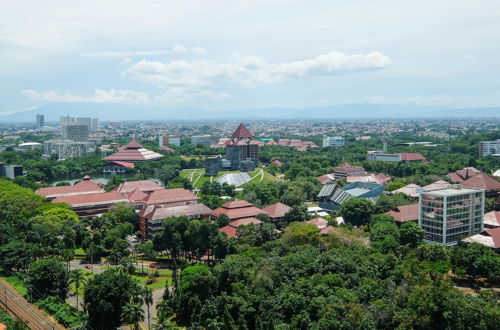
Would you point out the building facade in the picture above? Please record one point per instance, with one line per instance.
(67, 149)
(334, 141)
(450, 214)
(40, 121)
(487, 148)
(77, 132)
(205, 140)
(165, 140)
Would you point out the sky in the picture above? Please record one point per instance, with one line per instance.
(236, 55)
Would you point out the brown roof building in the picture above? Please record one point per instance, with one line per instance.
(412, 190)
(134, 152)
(92, 204)
(318, 222)
(484, 181)
(277, 211)
(236, 210)
(86, 186)
(492, 219)
(405, 213)
(170, 197)
(346, 169)
(152, 217)
(232, 228)
(463, 174)
(146, 186)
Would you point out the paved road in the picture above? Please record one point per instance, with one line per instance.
(15, 304)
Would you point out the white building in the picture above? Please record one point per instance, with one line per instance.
(40, 121)
(29, 146)
(448, 215)
(165, 140)
(333, 141)
(487, 148)
(78, 132)
(67, 149)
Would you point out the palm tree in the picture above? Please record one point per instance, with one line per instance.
(147, 295)
(163, 310)
(68, 255)
(78, 278)
(133, 314)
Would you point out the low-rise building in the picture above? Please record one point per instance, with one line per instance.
(277, 211)
(333, 141)
(92, 204)
(332, 196)
(134, 152)
(165, 140)
(400, 157)
(346, 169)
(83, 187)
(236, 210)
(231, 229)
(405, 213)
(65, 149)
(489, 148)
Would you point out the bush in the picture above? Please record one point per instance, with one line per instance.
(65, 314)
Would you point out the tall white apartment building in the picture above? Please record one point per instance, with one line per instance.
(487, 148)
(450, 214)
(78, 132)
(333, 141)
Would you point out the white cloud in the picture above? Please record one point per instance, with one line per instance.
(99, 96)
(180, 49)
(125, 53)
(246, 71)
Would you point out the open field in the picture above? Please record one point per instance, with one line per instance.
(197, 176)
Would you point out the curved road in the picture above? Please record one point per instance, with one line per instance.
(15, 304)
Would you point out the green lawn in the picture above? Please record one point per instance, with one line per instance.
(17, 283)
(198, 178)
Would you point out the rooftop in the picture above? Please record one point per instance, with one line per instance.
(452, 190)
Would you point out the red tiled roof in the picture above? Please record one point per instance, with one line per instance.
(111, 197)
(495, 234)
(492, 219)
(133, 145)
(165, 148)
(238, 213)
(142, 185)
(125, 164)
(80, 188)
(370, 178)
(244, 222)
(277, 162)
(463, 174)
(229, 231)
(134, 155)
(437, 185)
(324, 179)
(165, 196)
(136, 196)
(318, 222)
(405, 213)
(410, 190)
(412, 156)
(236, 204)
(241, 132)
(277, 210)
(482, 181)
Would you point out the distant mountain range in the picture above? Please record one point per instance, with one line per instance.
(52, 112)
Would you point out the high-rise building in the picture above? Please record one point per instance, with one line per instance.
(448, 215)
(165, 140)
(75, 132)
(67, 149)
(487, 148)
(333, 141)
(85, 121)
(63, 120)
(40, 121)
(205, 140)
(95, 125)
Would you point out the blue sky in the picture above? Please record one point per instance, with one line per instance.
(249, 54)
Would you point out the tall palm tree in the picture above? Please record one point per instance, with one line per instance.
(78, 278)
(147, 295)
(163, 310)
(68, 255)
(133, 314)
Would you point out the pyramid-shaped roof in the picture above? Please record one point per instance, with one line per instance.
(483, 181)
(133, 145)
(241, 132)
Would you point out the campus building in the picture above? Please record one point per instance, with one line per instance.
(133, 152)
(78, 132)
(65, 149)
(165, 140)
(450, 214)
(40, 121)
(333, 141)
(487, 148)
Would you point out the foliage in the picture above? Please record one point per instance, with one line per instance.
(65, 314)
(105, 297)
(47, 277)
(357, 211)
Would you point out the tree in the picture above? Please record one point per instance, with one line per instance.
(105, 297)
(300, 233)
(394, 185)
(296, 214)
(47, 277)
(357, 211)
(132, 314)
(77, 277)
(222, 220)
(147, 295)
(410, 233)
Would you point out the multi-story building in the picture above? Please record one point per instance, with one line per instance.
(487, 148)
(401, 157)
(11, 171)
(165, 140)
(346, 169)
(206, 140)
(63, 120)
(40, 121)
(67, 149)
(334, 141)
(94, 127)
(450, 214)
(78, 132)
